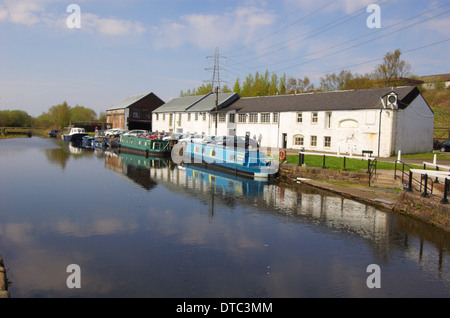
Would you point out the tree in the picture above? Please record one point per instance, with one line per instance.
(332, 82)
(15, 118)
(282, 85)
(392, 69)
(81, 113)
(60, 115)
(305, 85)
(237, 87)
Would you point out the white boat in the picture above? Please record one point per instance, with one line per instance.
(75, 134)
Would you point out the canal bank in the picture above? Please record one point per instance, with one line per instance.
(354, 185)
(3, 280)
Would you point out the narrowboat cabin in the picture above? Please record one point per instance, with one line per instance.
(145, 146)
(234, 160)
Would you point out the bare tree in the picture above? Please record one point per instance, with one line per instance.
(392, 69)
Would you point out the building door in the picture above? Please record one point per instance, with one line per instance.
(284, 141)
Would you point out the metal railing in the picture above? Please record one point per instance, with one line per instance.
(425, 184)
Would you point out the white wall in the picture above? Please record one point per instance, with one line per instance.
(351, 131)
(415, 128)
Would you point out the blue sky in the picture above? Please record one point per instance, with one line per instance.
(129, 47)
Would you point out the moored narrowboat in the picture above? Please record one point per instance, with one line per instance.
(238, 161)
(146, 146)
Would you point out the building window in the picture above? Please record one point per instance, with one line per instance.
(164, 117)
(327, 142)
(179, 120)
(242, 118)
(196, 116)
(299, 140)
(313, 141)
(156, 117)
(327, 120)
(204, 116)
(299, 118)
(275, 118)
(135, 113)
(315, 117)
(265, 117)
(189, 117)
(170, 119)
(232, 118)
(146, 114)
(253, 118)
(222, 117)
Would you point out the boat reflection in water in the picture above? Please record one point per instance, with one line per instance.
(305, 204)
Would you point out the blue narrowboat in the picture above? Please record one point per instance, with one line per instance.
(225, 183)
(238, 161)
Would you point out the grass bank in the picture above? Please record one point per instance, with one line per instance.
(337, 163)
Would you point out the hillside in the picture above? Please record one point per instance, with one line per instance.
(439, 101)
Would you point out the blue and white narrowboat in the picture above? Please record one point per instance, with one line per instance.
(238, 161)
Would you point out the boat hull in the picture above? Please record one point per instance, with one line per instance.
(74, 137)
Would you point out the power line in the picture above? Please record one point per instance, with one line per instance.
(381, 58)
(317, 31)
(283, 28)
(365, 42)
(379, 30)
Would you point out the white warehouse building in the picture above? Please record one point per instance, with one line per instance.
(382, 121)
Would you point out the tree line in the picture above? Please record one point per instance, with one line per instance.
(57, 116)
(390, 72)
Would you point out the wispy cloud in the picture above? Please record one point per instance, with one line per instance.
(207, 30)
(110, 26)
(21, 12)
(32, 12)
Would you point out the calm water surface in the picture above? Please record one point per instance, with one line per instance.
(146, 228)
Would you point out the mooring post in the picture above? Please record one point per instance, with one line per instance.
(444, 199)
(301, 158)
(344, 163)
(323, 166)
(410, 181)
(425, 194)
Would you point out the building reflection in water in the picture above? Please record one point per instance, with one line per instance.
(300, 203)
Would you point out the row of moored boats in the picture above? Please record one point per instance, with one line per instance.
(232, 155)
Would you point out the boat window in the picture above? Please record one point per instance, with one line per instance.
(232, 157)
(213, 153)
(132, 141)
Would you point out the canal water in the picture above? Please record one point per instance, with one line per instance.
(140, 227)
